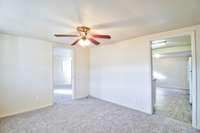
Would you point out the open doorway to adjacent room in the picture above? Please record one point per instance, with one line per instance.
(62, 75)
(173, 75)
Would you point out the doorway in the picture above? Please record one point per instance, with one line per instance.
(62, 75)
(173, 78)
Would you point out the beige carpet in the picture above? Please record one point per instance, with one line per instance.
(91, 116)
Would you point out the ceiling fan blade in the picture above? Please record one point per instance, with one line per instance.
(74, 43)
(64, 35)
(101, 36)
(94, 41)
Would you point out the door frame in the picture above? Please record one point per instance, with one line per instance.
(72, 70)
(194, 71)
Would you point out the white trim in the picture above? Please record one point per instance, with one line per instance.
(25, 111)
(194, 80)
(73, 75)
(191, 33)
(151, 80)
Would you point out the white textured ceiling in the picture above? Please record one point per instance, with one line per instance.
(122, 19)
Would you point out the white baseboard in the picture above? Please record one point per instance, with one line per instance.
(25, 111)
(122, 105)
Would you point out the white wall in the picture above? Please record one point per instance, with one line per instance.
(26, 81)
(174, 72)
(81, 72)
(25, 74)
(62, 74)
(120, 73)
(59, 75)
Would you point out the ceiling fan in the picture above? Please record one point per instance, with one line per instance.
(84, 38)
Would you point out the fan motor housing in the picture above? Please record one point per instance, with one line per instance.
(83, 29)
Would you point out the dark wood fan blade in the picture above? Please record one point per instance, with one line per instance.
(94, 41)
(64, 35)
(101, 36)
(74, 43)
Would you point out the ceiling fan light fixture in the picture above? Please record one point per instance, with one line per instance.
(84, 42)
(158, 43)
